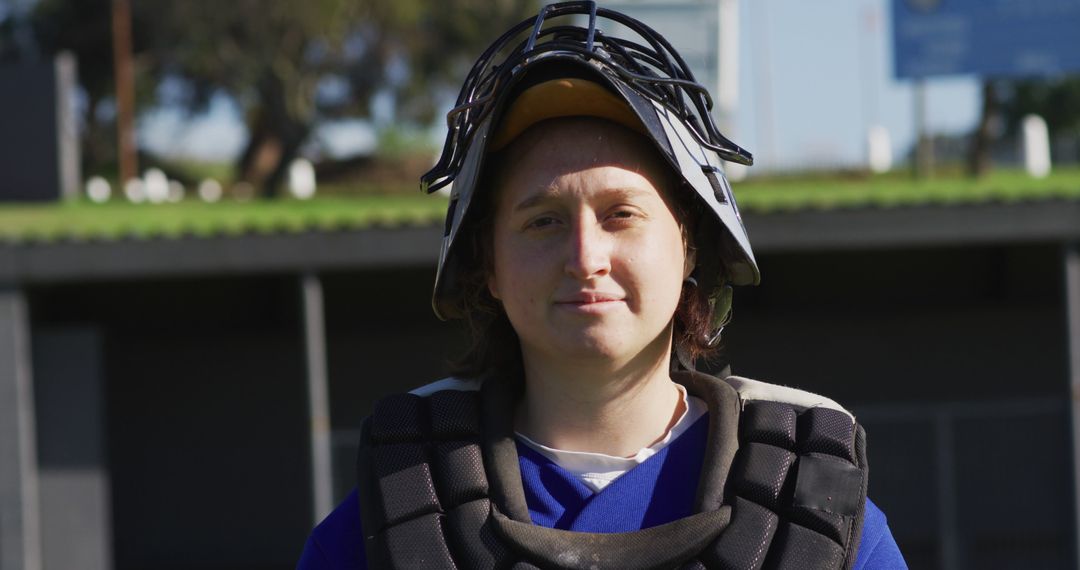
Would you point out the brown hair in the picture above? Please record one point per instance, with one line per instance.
(495, 348)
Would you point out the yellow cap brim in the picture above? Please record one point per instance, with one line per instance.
(567, 97)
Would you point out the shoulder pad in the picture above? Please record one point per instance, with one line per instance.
(756, 390)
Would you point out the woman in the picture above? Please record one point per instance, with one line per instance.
(591, 242)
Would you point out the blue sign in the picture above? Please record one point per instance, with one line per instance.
(1022, 38)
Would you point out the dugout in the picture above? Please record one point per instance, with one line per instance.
(158, 393)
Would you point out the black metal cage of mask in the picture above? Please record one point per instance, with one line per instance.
(655, 70)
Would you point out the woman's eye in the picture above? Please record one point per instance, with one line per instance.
(623, 215)
(542, 222)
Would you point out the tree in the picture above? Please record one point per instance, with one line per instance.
(276, 59)
(83, 28)
(978, 156)
(1056, 100)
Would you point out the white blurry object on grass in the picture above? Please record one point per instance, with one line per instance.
(98, 189)
(156, 185)
(135, 191)
(1036, 146)
(209, 190)
(879, 149)
(302, 179)
(176, 191)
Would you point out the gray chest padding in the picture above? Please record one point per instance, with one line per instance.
(440, 487)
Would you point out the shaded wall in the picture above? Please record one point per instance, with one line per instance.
(206, 419)
(72, 456)
(955, 361)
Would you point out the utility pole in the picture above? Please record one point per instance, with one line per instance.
(727, 75)
(924, 142)
(124, 75)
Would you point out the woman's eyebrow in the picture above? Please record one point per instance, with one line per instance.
(536, 199)
(629, 192)
(552, 193)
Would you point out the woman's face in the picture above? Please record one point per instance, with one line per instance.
(589, 259)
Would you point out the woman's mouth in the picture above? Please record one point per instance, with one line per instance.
(589, 302)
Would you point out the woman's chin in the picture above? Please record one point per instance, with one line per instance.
(597, 346)
(594, 349)
(612, 338)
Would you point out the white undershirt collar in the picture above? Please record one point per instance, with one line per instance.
(598, 470)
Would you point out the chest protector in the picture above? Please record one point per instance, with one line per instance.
(782, 486)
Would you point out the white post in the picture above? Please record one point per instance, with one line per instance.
(318, 396)
(727, 75)
(155, 186)
(67, 83)
(1036, 139)
(302, 178)
(879, 149)
(727, 59)
(20, 526)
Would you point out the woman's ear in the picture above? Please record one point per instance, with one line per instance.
(492, 287)
(689, 261)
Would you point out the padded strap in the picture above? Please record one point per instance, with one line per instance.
(722, 443)
(498, 399)
(664, 546)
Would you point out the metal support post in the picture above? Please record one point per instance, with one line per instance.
(1072, 314)
(949, 551)
(20, 528)
(318, 395)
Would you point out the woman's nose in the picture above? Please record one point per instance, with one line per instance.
(589, 253)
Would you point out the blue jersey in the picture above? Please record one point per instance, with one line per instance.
(659, 490)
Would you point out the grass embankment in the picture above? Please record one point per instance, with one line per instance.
(348, 208)
(117, 219)
(898, 189)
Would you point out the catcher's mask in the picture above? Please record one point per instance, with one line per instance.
(547, 67)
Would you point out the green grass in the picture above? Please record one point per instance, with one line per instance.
(891, 190)
(117, 219)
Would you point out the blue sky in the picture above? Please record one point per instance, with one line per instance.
(813, 77)
(829, 66)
